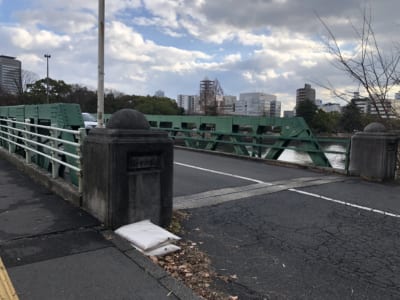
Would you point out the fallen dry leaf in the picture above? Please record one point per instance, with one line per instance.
(191, 265)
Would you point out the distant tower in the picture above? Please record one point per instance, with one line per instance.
(211, 94)
(159, 93)
(10, 75)
(306, 93)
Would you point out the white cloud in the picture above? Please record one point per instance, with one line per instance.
(232, 58)
(126, 44)
(249, 45)
(111, 7)
(25, 39)
(165, 11)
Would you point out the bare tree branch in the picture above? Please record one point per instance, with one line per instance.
(369, 65)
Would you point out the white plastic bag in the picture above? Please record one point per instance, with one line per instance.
(160, 251)
(146, 236)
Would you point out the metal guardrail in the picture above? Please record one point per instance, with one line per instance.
(24, 138)
(263, 137)
(258, 145)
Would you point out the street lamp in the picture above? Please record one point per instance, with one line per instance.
(47, 77)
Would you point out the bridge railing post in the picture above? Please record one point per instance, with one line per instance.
(10, 132)
(53, 143)
(373, 153)
(28, 155)
(81, 137)
(128, 171)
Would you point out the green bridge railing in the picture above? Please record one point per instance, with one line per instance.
(45, 117)
(261, 137)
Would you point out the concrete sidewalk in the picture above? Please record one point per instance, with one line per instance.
(54, 250)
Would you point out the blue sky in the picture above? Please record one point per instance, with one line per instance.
(271, 46)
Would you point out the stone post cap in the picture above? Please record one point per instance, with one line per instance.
(375, 127)
(128, 119)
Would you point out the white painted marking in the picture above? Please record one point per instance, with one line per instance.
(378, 211)
(382, 212)
(221, 173)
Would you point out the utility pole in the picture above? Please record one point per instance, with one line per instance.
(47, 78)
(100, 81)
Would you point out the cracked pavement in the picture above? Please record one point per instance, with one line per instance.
(318, 240)
(286, 245)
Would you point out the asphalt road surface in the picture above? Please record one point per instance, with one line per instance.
(288, 233)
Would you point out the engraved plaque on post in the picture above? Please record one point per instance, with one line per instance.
(144, 163)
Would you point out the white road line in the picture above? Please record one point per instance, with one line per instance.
(221, 173)
(382, 212)
(378, 211)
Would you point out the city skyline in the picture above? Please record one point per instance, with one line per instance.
(261, 46)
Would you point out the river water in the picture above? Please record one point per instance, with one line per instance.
(337, 160)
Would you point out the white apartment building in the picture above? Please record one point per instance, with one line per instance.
(190, 103)
(331, 107)
(383, 108)
(255, 104)
(366, 106)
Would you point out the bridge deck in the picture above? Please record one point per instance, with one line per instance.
(287, 233)
(277, 232)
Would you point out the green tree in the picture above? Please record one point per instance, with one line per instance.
(157, 106)
(58, 91)
(351, 118)
(86, 98)
(324, 122)
(307, 110)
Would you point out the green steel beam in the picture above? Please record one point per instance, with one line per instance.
(286, 132)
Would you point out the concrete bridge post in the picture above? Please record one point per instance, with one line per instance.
(128, 171)
(373, 153)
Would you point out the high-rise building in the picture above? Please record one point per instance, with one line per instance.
(10, 75)
(366, 106)
(382, 108)
(211, 96)
(190, 103)
(275, 109)
(256, 104)
(227, 106)
(306, 93)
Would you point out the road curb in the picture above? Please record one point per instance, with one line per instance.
(178, 288)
